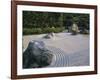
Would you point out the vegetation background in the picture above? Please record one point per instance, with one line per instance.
(46, 22)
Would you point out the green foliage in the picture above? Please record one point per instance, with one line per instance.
(46, 22)
(28, 31)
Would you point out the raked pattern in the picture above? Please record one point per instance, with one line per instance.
(64, 59)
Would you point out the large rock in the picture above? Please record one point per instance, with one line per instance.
(36, 55)
(75, 29)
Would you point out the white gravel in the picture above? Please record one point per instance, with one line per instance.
(75, 48)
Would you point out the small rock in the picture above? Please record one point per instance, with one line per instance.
(49, 35)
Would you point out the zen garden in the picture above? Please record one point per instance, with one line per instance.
(52, 39)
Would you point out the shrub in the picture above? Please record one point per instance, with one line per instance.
(55, 30)
(29, 31)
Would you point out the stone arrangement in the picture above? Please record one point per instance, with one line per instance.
(49, 35)
(36, 55)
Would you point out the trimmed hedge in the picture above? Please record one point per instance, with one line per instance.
(29, 31)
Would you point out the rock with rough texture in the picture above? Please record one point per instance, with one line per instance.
(75, 29)
(36, 55)
(49, 35)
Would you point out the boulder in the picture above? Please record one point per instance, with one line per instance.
(75, 29)
(49, 35)
(36, 55)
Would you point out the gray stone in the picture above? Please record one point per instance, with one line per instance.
(86, 31)
(75, 29)
(49, 35)
(36, 55)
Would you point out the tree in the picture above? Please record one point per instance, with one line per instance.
(47, 20)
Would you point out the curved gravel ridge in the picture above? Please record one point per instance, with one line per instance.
(64, 59)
